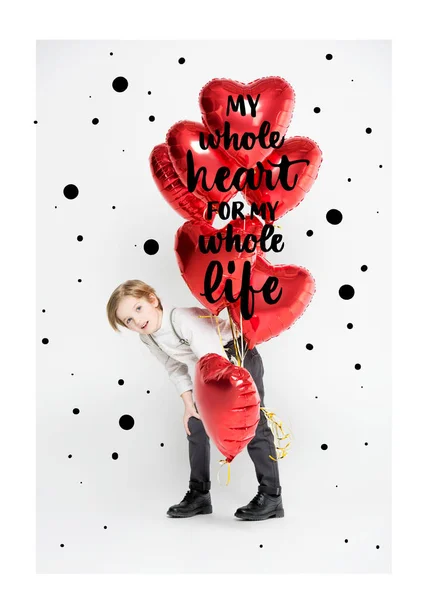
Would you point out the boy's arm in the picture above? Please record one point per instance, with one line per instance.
(177, 371)
(201, 332)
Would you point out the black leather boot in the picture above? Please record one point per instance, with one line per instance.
(193, 503)
(262, 506)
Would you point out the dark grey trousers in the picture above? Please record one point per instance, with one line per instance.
(259, 448)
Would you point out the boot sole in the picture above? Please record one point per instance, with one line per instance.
(277, 514)
(205, 510)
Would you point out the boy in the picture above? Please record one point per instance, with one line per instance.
(179, 338)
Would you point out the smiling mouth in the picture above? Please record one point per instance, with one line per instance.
(144, 326)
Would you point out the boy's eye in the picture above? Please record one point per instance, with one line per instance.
(127, 321)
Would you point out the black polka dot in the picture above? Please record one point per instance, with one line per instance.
(79, 280)
(334, 216)
(35, 122)
(111, 53)
(113, 207)
(95, 121)
(317, 109)
(70, 191)
(119, 84)
(70, 456)
(309, 233)
(120, 382)
(76, 411)
(358, 366)
(79, 238)
(62, 545)
(377, 547)
(261, 545)
(151, 118)
(45, 341)
(43, 310)
(380, 166)
(149, 92)
(126, 422)
(162, 444)
(366, 443)
(151, 247)
(115, 456)
(105, 526)
(309, 347)
(346, 292)
(181, 60)
(364, 268)
(329, 56)
(350, 326)
(346, 541)
(368, 130)
(349, 179)
(324, 446)
(148, 392)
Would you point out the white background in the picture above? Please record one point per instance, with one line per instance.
(342, 493)
(47, 19)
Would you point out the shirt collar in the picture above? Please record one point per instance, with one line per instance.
(166, 320)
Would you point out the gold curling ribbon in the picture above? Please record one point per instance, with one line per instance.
(218, 329)
(223, 462)
(276, 426)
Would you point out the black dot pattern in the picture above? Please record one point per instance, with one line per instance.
(120, 84)
(126, 422)
(334, 216)
(70, 191)
(346, 292)
(151, 247)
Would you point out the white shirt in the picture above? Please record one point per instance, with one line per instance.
(178, 358)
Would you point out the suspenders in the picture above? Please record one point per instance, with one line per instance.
(182, 340)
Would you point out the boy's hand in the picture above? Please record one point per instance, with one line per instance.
(189, 411)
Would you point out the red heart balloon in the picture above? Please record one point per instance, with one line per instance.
(269, 320)
(183, 137)
(171, 187)
(228, 403)
(193, 263)
(275, 105)
(302, 174)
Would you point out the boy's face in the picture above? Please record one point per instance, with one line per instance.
(139, 314)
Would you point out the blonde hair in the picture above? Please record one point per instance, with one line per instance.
(132, 287)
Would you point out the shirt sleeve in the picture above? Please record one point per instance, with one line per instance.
(178, 372)
(199, 327)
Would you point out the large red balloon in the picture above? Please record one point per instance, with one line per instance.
(184, 136)
(275, 105)
(302, 174)
(228, 403)
(193, 263)
(171, 187)
(269, 320)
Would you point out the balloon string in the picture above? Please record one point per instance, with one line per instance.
(218, 331)
(232, 326)
(223, 462)
(276, 426)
